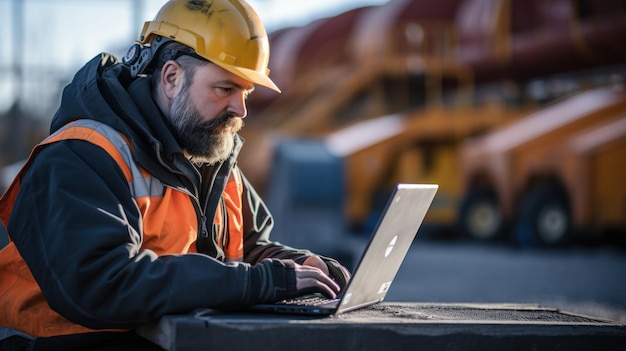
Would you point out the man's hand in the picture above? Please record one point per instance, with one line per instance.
(317, 262)
(331, 268)
(312, 277)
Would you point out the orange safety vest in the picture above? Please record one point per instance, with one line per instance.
(22, 304)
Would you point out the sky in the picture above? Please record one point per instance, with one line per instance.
(61, 35)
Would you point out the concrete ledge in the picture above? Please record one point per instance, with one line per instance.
(393, 326)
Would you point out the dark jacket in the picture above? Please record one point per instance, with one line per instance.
(80, 232)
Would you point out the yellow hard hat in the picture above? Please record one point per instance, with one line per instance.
(228, 33)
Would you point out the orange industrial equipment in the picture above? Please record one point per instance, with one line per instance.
(397, 89)
(556, 172)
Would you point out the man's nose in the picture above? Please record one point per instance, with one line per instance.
(238, 106)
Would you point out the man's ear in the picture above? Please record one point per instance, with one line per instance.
(172, 76)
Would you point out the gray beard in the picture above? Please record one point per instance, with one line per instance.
(206, 141)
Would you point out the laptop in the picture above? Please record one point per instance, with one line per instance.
(387, 247)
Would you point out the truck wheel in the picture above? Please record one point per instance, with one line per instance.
(544, 218)
(479, 215)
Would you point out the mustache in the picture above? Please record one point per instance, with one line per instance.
(224, 120)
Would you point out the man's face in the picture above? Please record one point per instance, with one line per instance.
(208, 111)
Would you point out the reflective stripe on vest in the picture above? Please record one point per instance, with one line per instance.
(140, 183)
(22, 305)
(145, 189)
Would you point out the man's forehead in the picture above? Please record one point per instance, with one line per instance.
(222, 75)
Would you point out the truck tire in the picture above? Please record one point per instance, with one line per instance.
(544, 218)
(480, 217)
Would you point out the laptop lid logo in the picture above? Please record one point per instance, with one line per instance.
(391, 245)
(384, 288)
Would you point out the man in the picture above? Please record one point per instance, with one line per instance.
(134, 207)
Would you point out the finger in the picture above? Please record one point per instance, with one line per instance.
(311, 279)
(329, 283)
(317, 262)
(338, 272)
(317, 274)
(311, 286)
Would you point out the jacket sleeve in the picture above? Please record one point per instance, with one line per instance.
(258, 224)
(257, 245)
(79, 230)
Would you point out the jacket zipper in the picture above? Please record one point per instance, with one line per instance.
(195, 196)
(217, 173)
(204, 233)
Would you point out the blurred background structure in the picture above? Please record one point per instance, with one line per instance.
(515, 107)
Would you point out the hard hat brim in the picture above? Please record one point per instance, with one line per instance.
(249, 75)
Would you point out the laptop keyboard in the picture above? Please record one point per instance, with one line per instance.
(307, 300)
